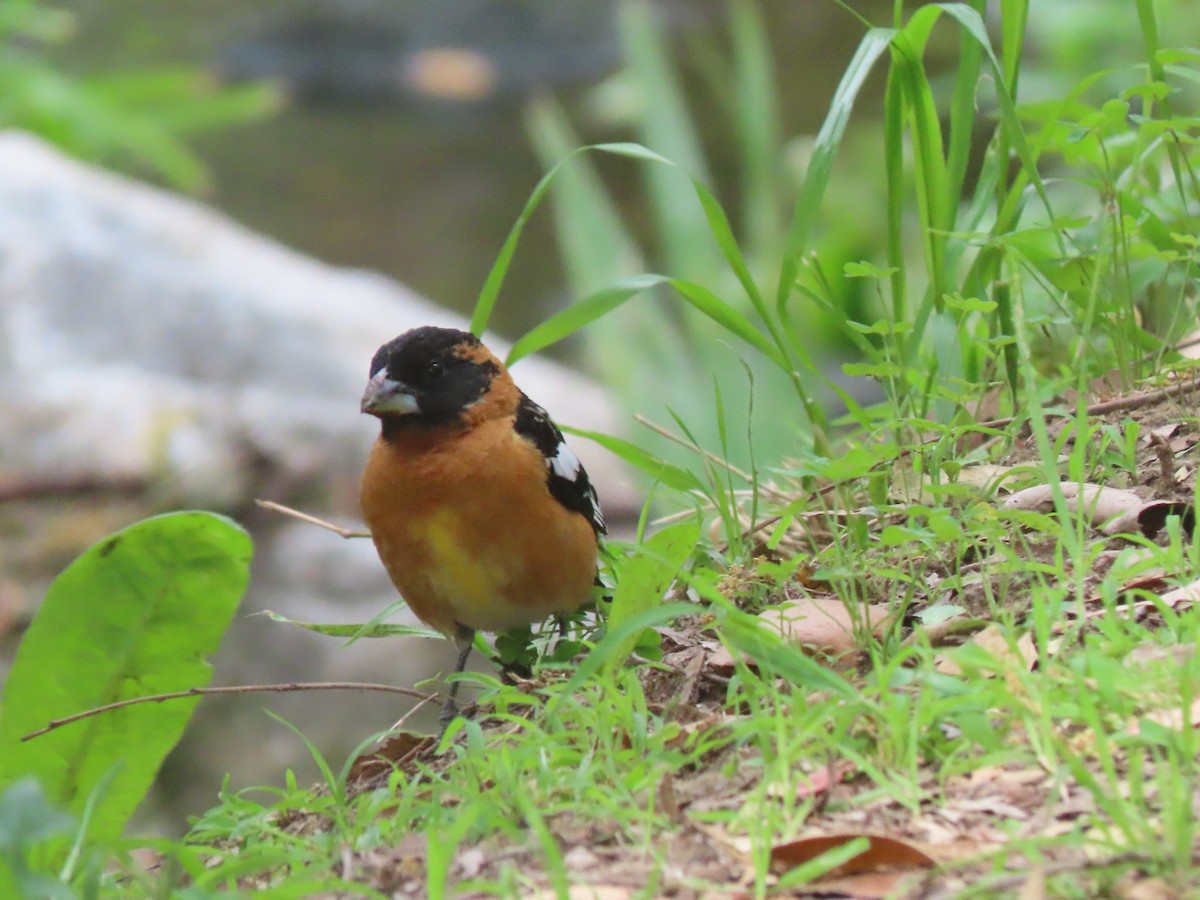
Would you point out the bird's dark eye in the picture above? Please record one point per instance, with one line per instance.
(435, 370)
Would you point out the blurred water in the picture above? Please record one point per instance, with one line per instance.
(366, 168)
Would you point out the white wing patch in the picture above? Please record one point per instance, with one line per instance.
(565, 464)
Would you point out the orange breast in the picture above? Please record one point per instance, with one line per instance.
(469, 533)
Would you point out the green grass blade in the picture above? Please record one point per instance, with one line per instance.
(669, 474)
(376, 630)
(1013, 16)
(962, 112)
(490, 292)
(729, 318)
(929, 166)
(874, 43)
(765, 647)
(893, 156)
(568, 321)
(614, 639)
(596, 245)
(666, 125)
(1014, 133)
(757, 120)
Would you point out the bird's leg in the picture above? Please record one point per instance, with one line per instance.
(464, 637)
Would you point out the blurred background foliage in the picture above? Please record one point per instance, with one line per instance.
(416, 131)
(138, 118)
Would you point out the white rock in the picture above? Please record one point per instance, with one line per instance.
(141, 332)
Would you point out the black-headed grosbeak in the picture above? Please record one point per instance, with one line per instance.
(481, 514)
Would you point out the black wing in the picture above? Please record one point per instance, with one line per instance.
(565, 475)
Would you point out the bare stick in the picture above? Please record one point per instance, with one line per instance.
(711, 457)
(311, 520)
(39, 488)
(235, 689)
(1129, 401)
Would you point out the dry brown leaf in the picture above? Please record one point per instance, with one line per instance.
(867, 886)
(1188, 593)
(1102, 503)
(882, 853)
(1184, 442)
(1180, 598)
(721, 661)
(1162, 432)
(995, 642)
(989, 478)
(946, 664)
(395, 749)
(710, 722)
(1152, 518)
(1169, 718)
(1148, 653)
(585, 892)
(823, 625)
(1145, 889)
(1034, 886)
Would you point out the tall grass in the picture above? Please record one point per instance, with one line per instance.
(1071, 214)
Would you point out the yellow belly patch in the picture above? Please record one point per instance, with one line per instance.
(465, 581)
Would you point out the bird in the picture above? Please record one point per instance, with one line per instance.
(481, 514)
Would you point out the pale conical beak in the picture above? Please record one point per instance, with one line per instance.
(385, 396)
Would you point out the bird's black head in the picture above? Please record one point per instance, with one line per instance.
(427, 377)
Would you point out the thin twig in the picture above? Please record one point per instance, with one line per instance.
(711, 457)
(42, 487)
(234, 689)
(677, 516)
(311, 520)
(403, 720)
(1130, 401)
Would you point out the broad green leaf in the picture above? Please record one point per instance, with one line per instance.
(137, 614)
(645, 577)
(939, 613)
(866, 269)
